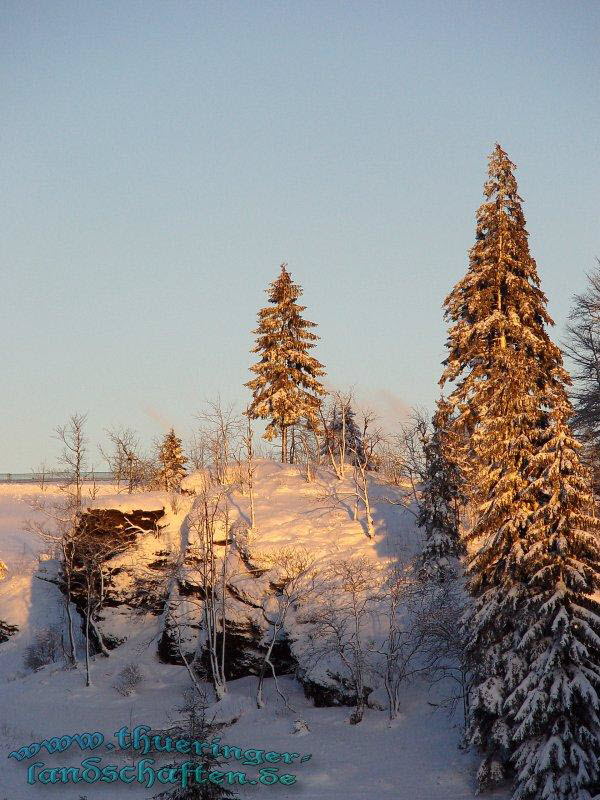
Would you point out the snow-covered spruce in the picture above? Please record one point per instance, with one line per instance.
(556, 705)
(440, 500)
(172, 463)
(286, 388)
(342, 436)
(509, 387)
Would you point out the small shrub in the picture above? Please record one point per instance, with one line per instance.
(130, 678)
(6, 631)
(45, 648)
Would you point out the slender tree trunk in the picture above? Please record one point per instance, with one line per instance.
(267, 661)
(87, 635)
(392, 689)
(187, 664)
(359, 713)
(261, 679)
(98, 635)
(250, 469)
(223, 615)
(283, 444)
(252, 512)
(72, 651)
(367, 502)
(67, 567)
(103, 649)
(307, 453)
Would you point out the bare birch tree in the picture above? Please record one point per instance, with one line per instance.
(198, 451)
(40, 474)
(125, 461)
(211, 518)
(402, 645)
(295, 573)
(60, 526)
(340, 621)
(73, 456)
(335, 442)
(222, 430)
(59, 531)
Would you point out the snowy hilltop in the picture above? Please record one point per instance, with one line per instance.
(289, 676)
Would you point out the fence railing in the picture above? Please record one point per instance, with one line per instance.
(53, 477)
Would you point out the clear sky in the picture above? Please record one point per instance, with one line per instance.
(160, 159)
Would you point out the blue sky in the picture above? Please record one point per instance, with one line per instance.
(160, 159)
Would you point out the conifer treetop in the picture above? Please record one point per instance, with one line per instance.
(172, 461)
(498, 304)
(286, 387)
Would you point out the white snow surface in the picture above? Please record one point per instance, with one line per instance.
(416, 757)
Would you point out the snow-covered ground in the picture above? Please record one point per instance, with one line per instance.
(414, 758)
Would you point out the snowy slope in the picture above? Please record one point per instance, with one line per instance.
(414, 758)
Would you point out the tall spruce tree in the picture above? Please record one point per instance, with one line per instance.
(286, 388)
(506, 373)
(440, 500)
(172, 462)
